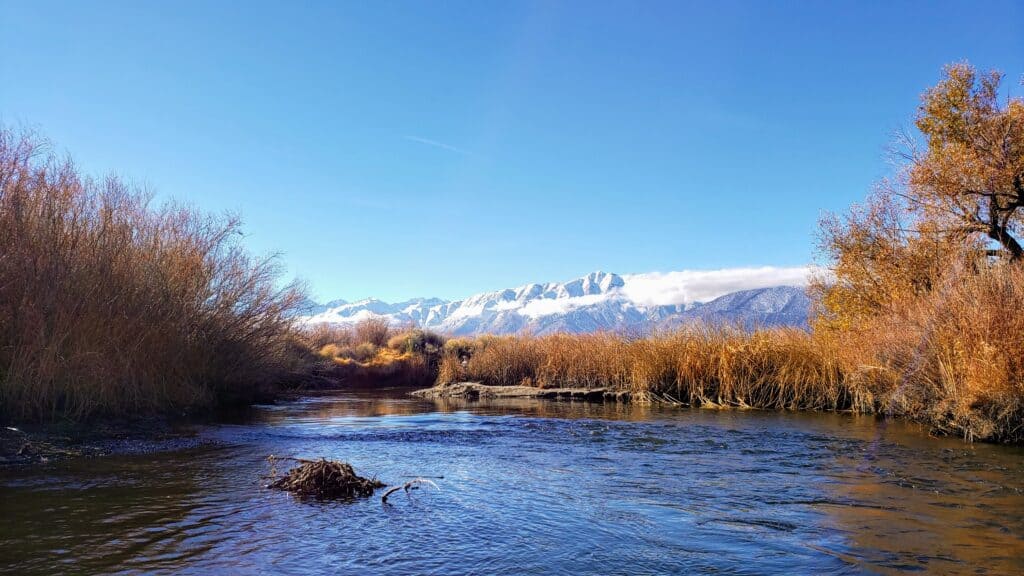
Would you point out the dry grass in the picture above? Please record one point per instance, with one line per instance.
(952, 359)
(372, 353)
(702, 366)
(109, 306)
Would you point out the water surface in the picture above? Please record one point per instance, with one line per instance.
(531, 487)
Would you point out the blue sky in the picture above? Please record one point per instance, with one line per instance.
(444, 148)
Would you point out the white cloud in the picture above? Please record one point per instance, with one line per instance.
(686, 286)
(549, 306)
(505, 306)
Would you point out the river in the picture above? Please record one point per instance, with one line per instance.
(530, 487)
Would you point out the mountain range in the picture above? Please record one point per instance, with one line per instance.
(598, 301)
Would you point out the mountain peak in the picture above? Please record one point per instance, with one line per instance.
(597, 301)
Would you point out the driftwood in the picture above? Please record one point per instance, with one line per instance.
(322, 479)
(330, 479)
(476, 390)
(410, 485)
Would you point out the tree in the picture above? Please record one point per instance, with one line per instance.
(969, 178)
(881, 258)
(959, 193)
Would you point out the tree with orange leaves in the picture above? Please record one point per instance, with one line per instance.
(957, 199)
(970, 175)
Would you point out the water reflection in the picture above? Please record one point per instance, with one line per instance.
(532, 487)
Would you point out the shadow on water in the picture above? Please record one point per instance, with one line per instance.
(532, 487)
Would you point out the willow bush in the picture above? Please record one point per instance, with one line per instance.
(111, 306)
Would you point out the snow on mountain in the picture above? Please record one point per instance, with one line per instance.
(600, 301)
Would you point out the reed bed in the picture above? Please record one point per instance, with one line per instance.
(702, 366)
(953, 357)
(111, 306)
(953, 360)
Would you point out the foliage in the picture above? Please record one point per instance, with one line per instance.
(108, 305)
(924, 302)
(969, 179)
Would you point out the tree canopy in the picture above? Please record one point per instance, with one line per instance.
(970, 175)
(957, 199)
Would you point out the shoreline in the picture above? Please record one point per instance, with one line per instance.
(40, 444)
(476, 390)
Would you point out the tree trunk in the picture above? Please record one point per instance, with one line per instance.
(1002, 235)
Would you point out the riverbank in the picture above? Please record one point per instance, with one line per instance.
(36, 444)
(476, 390)
(776, 369)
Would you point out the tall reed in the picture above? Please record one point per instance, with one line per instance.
(108, 305)
(952, 358)
(701, 365)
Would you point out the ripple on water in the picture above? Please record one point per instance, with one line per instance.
(531, 488)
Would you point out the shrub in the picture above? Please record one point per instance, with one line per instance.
(322, 334)
(417, 341)
(364, 352)
(108, 305)
(375, 330)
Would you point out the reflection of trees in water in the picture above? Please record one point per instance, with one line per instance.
(905, 501)
(547, 408)
(348, 405)
(102, 513)
(368, 404)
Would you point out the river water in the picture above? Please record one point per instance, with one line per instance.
(530, 487)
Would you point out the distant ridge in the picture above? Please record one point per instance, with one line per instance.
(597, 301)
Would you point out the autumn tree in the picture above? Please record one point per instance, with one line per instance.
(880, 258)
(957, 198)
(970, 174)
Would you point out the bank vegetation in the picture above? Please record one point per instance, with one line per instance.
(112, 306)
(920, 307)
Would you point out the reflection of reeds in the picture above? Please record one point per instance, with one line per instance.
(110, 306)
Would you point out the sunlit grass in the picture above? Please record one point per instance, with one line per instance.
(110, 306)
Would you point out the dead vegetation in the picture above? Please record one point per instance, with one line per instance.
(413, 484)
(333, 480)
(323, 480)
(707, 366)
(371, 352)
(111, 306)
(950, 358)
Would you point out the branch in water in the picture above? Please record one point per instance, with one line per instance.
(407, 486)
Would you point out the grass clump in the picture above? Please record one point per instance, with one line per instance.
(371, 352)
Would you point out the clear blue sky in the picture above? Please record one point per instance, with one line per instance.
(443, 148)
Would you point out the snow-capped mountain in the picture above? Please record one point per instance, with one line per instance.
(599, 301)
